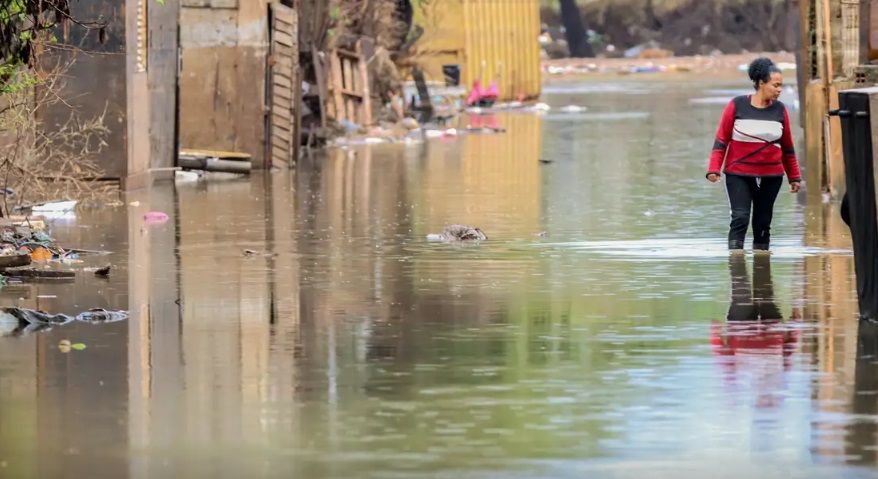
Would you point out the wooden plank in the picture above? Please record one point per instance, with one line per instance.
(281, 102)
(283, 93)
(814, 116)
(351, 93)
(282, 129)
(835, 156)
(337, 82)
(285, 14)
(347, 79)
(223, 155)
(828, 71)
(282, 81)
(283, 38)
(283, 65)
(320, 76)
(281, 137)
(347, 53)
(280, 152)
(14, 261)
(283, 112)
(283, 21)
(366, 106)
(284, 51)
(224, 4)
(351, 110)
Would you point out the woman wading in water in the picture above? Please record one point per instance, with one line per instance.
(754, 148)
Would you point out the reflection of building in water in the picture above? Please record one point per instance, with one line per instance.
(861, 432)
(829, 288)
(493, 183)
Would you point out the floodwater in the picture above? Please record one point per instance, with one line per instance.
(355, 348)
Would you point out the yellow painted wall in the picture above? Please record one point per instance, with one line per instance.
(485, 37)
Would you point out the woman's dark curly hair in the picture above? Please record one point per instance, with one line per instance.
(760, 71)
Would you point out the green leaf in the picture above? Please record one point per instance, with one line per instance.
(161, 2)
(335, 12)
(78, 346)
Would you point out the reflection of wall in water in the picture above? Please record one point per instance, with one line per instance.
(830, 303)
(493, 184)
(861, 435)
(95, 79)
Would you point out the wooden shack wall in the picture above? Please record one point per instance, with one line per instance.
(499, 34)
(222, 82)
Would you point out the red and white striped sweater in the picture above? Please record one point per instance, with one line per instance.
(754, 141)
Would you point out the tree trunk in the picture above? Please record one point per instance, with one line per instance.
(577, 39)
(652, 21)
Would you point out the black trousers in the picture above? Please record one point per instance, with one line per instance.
(748, 193)
(752, 302)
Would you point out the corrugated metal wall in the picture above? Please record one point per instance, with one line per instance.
(487, 38)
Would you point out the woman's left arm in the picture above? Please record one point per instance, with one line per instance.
(790, 162)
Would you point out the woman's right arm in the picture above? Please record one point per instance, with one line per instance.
(723, 138)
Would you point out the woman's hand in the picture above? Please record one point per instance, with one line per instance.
(713, 177)
(795, 187)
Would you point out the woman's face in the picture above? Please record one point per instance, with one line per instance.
(773, 88)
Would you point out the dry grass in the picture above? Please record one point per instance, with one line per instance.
(41, 164)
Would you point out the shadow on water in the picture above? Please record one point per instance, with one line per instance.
(349, 346)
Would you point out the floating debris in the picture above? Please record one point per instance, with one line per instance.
(155, 218)
(459, 233)
(251, 253)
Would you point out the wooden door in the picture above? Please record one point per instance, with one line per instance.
(283, 89)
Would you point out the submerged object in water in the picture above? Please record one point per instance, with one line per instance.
(17, 321)
(459, 233)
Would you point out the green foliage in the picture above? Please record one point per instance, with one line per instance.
(15, 79)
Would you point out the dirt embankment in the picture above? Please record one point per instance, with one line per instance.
(689, 27)
(696, 66)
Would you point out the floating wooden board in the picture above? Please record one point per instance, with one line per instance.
(222, 155)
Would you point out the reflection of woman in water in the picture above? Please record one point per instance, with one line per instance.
(754, 323)
(754, 337)
(754, 148)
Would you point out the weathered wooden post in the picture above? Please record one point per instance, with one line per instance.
(859, 143)
(152, 39)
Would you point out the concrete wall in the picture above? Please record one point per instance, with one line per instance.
(222, 84)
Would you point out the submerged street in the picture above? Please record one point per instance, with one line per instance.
(586, 338)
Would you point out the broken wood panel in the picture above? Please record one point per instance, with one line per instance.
(284, 65)
(320, 74)
(281, 38)
(288, 16)
(337, 85)
(366, 106)
(282, 94)
(347, 76)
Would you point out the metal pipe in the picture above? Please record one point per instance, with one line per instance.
(215, 165)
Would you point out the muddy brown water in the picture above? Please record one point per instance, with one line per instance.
(355, 348)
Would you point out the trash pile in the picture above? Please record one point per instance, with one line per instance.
(24, 241)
